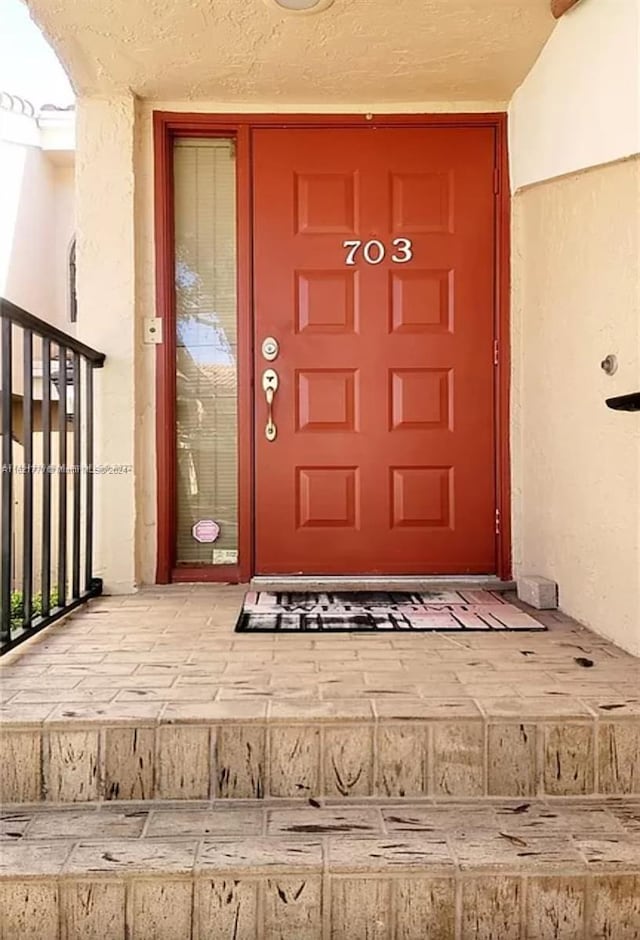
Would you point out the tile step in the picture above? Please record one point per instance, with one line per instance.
(380, 869)
(550, 746)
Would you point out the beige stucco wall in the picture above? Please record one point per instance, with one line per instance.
(576, 298)
(146, 493)
(106, 319)
(576, 464)
(37, 223)
(65, 227)
(580, 104)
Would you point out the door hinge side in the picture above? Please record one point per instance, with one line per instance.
(497, 522)
(496, 352)
(496, 180)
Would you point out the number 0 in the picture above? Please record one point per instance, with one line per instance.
(379, 252)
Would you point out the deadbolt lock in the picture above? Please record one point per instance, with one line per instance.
(270, 348)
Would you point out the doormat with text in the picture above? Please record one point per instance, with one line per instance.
(427, 611)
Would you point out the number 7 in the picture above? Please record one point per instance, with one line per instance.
(353, 248)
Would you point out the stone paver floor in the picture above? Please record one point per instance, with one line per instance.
(171, 652)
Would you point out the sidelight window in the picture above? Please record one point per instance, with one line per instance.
(206, 351)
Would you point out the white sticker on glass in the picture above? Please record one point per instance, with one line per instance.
(205, 531)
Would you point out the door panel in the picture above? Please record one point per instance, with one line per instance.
(384, 459)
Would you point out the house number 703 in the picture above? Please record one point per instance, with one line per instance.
(374, 251)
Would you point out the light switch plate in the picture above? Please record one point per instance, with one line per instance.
(153, 330)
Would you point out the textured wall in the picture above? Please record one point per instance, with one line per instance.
(246, 51)
(580, 104)
(576, 464)
(36, 227)
(146, 532)
(106, 299)
(65, 210)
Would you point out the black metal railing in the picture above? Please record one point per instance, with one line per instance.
(46, 501)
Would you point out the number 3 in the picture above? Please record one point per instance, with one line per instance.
(405, 246)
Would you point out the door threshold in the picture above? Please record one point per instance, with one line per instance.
(335, 583)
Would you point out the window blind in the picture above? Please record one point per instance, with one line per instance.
(206, 342)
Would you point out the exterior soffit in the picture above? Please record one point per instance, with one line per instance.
(358, 50)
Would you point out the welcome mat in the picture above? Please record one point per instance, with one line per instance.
(356, 611)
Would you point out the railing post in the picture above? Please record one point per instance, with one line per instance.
(88, 548)
(62, 476)
(46, 480)
(77, 475)
(7, 482)
(27, 517)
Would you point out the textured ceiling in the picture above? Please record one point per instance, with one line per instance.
(381, 51)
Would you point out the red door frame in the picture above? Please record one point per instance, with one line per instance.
(167, 126)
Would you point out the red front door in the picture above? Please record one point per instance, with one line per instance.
(375, 273)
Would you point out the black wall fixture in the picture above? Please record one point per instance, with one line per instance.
(625, 402)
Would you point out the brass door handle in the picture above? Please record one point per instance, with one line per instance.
(270, 382)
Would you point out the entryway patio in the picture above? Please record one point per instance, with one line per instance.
(166, 777)
(158, 680)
